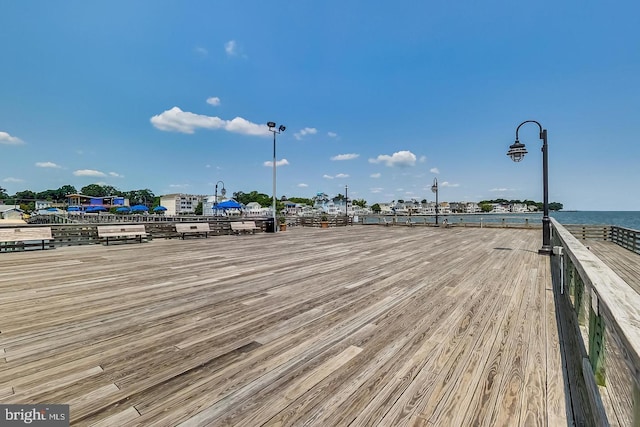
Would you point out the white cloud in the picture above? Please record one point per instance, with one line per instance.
(499, 189)
(282, 162)
(5, 138)
(305, 131)
(214, 100)
(178, 185)
(303, 185)
(116, 175)
(231, 47)
(376, 190)
(176, 120)
(400, 159)
(207, 166)
(448, 184)
(423, 159)
(88, 172)
(434, 170)
(12, 179)
(325, 176)
(342, 175)
(201, 51)
(47, 165)
(346, 156)
(332, 134)
(375, 175)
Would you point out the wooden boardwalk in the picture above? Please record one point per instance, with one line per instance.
(358, 326)
(625, 263)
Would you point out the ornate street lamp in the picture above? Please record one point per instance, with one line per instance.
(517, 152)
(434, 188)
(223, 192)
(272, 128)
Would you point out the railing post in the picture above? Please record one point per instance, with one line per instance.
(596, 341)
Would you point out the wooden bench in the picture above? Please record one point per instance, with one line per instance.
(238, 227)
(21, 237)
(196, 228)
(122, 232)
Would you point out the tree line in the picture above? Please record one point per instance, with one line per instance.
(26, 199)
(487, 205)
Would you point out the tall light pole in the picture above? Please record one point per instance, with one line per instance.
(434, 188)
(272, 128)
(223, 191)
(346, 203)
(517, 152)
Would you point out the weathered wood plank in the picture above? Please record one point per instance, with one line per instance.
(326, 327)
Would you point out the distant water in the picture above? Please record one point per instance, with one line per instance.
(628, 219)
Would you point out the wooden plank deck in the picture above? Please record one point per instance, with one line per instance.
(625, 263)
(353, 326)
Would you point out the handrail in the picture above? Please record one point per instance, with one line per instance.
(608, 310)
(628, 238)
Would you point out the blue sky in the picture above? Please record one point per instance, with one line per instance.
(380, 96)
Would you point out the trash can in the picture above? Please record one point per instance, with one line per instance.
(270, 225)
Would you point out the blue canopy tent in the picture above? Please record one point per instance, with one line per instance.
(73, 209)
(99, 208)
(123, 209)
(228, 204)
(139, 208)
(159, 209)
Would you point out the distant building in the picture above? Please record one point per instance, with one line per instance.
(180, 204)
(82, 201)
(11, 212)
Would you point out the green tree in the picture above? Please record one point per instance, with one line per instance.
(198, 210)
(244, 198)
(486, 207)
(376, 208)
(64, 191)
(301, 200)
(360, 202)
(3, 194)
(555, 206)
(25, 196)
(93, 190)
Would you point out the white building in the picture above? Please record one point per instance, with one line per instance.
(180, 204)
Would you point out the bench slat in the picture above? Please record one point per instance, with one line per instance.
(124, 231)
(244, 226)
(25, 234)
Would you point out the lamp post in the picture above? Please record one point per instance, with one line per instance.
(434, 188)
(272, 128)
(517, 152)
(223, 192)
(346, 201)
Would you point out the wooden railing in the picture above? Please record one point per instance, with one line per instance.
(604, 320)
(315, 221)
(87, 233)
(591, 232)
(626, 237)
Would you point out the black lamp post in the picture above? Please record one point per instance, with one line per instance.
(434, 188)
(346, 204)
(517, 152)
(272, 128)
(223, 192)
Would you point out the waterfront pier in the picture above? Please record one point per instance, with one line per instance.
(365, 325)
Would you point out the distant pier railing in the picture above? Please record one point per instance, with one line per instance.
(86, 233)
(626, 237)
(602, 316)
